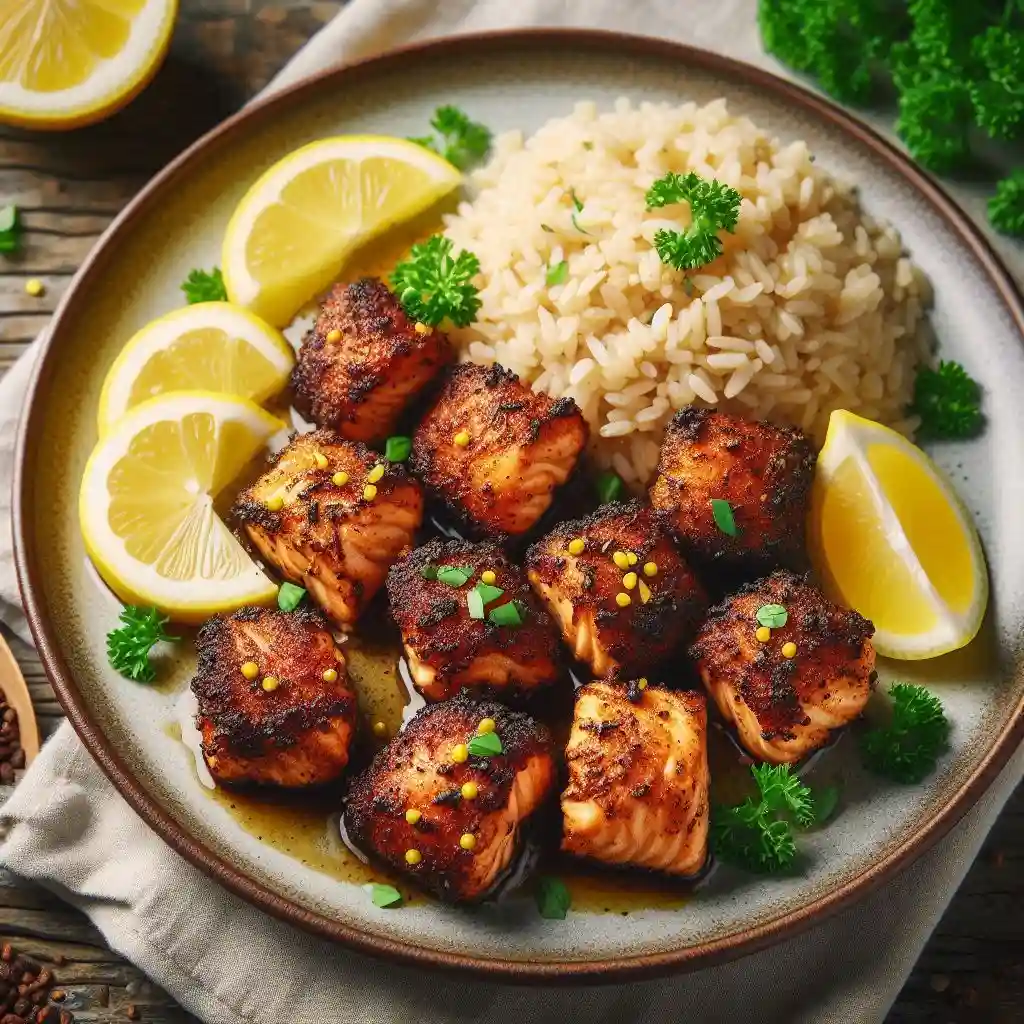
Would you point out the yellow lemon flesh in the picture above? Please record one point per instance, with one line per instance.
(146, 504)
(293, 230)
(65, 63)
(890, 538)
(210, 346)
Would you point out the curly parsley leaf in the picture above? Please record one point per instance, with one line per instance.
(204, 286)
(758, 833)
(433, 285)
(714, 207)
(462, 141)
(948, 402)
(129, 644)
(1006, 207)
(907, 749)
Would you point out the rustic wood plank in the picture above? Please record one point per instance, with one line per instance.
(70, 187)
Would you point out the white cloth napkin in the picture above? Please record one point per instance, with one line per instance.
(67, 828)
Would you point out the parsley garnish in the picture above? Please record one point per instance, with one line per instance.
(609, 487)
(908, 748)
(128, 645)
(455, 575)
(948, 402)
(489, 593)
(462, 141)
(486, 745)
(577, 207)
(553, 898)
(204, 286)
(10, 229)
(428, 572)
(774, 616)
(289, 597)
(475, 604)
(397, 448)
(1006, 207)
(758, 833)
(510, 614)
(713, 206)
(557, 273)
(724, 518)
(825, 802)
(384, 895)
(433, 286)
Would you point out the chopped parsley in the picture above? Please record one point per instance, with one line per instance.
(907, 749)
(506, 615)
(948, 402)
(558, 273)
(384, 895)
(455, 575)
(609, 487)
(475, 604)
(397, 448)
(204, 286)
(487, 744)
(289, 597)
(724, 518)
(553, 898)
(428, 571)
(462, 141)
(774, 616)
(10, 229)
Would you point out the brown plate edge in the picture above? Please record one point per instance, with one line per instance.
(600, 971)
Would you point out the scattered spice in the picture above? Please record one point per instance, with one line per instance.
(270, 683)
(577, 545)
(630, 580)
(651, 569)
(467, 840)
(488, 577)
(333, 336)
(369, 492)
(621, 559)
(460, 753)
(412, 816)
(763, 634)
(461, 438)
(330, 675)
(789, 649)
(339, 479)
(375, 474)
(632, 557)
(623, 600)
(250, 670)
(470, 791)
(276, 503)
(26, 991)
(486, 725)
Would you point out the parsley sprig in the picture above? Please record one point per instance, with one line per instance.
(128, 645)
(462, 141)
(10, 229)
(758, 833)
(204, 286)
(714, 207)
(433, 285)
(948, 402)
(907, 749)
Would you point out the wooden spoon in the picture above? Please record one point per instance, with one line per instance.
(15, 692)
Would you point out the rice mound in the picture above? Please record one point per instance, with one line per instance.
(811, 307)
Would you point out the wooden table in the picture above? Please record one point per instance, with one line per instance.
(69, 187)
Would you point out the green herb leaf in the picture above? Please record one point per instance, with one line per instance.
(432, 285)
(825, 802)
(289, 597)
(948, 402)
(475, 604)
(609, 487)
(128, 645)
(488, 593)
(908, 748)
(774, 616)
(397, 448)
(506, 615)
(205, 286)
(553, 898)
(558, 273)
(462, 141)
(428, 572)
(487, 745)
(724, 518)
(714, 207)
(758, 833)
(10, 229)
(385, 895)
(455, 575)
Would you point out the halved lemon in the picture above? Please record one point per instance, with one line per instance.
(146, 504)
(890, 538)
(65, 63)
(211, 346)
(293, 230)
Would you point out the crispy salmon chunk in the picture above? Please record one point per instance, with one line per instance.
(446, 598)
(364, 362)
(275, 704)
(788, 687)
(332, 516)
(442, 811)
(496, 451)
(638, 778)
(616, 584)
(760, 476)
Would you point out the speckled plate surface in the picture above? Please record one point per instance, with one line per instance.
(519, 80)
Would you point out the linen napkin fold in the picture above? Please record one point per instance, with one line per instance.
(67, 828)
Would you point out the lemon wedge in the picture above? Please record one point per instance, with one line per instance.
(211, 346)
(293, 230)
(65, 63)
(890, 538)
(146, 504)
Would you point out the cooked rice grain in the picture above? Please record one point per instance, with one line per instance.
(812, 307)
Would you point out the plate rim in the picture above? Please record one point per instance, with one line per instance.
(218, 867)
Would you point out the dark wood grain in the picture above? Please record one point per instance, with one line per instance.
(69, 187)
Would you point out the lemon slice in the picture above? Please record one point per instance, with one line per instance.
(890, 538)
(65, 63)
(146, 504)
(293, 230)
(211, 346)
